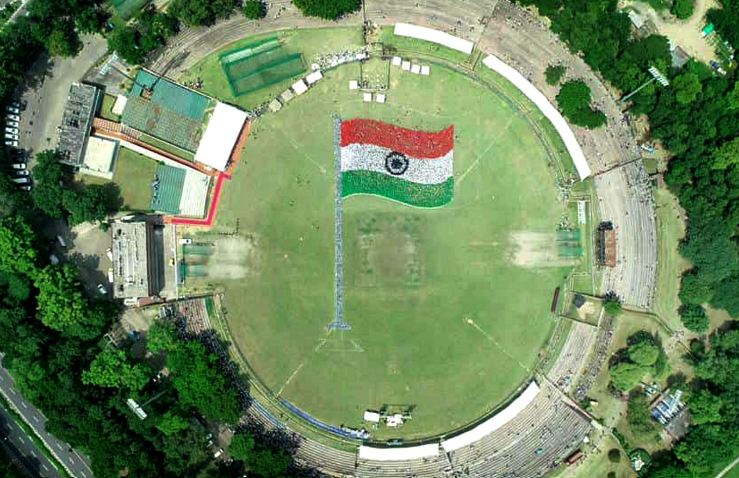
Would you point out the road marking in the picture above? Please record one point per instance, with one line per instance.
(36, 418)
(24, 404)
(44, 467)
(71, 461)
(34, 454)
(22, 440)
(12, 390)
(59, 446)
(83, 474)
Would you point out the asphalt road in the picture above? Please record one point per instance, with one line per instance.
(23, 448)
(45, 93)
(77, 464)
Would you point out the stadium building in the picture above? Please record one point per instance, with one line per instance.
(136, 260)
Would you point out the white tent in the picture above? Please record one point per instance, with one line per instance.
(220, 136)
(299, 87)
(398, 454)
(541, 101)
(436, 36)
(371, 416)
(492, 424)
(313, 77)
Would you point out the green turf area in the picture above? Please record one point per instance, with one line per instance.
(449, 311)
(311, 43)
(126, 9)
(133, 174)
(106, 109)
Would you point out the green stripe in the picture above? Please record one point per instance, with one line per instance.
(397, 189)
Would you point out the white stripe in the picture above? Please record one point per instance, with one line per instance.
(369, 157)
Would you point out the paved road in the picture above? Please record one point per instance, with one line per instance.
(45, 94)
(74, 462)
(23, 448)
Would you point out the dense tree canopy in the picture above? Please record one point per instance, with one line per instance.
(327, 9)
(112, 368)
(554, 73)
(574, 101)
(201, 12)
(254, 9)
(638, 415)
(683, 9)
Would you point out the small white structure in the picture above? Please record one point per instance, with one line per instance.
(119, 105)
(406, 66)
(220, 137)
(425, 70)
(371, 416)
(99, 157)
(416, 69)
(353, 85)
(397, 61)
(436, 36)
(380, 98)
(368, 97)
(314, 77)
(394, 420)
(299, 87)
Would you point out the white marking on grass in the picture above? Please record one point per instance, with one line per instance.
(291, 377)
(484, 152)
(301, 150)
(471, 322)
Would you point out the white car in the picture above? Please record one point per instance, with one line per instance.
(22, 172)
(13, 117)
(11, 109)
(102, 289)
(25, 187)
(186, 241)
(21, 180)
(10, 129)
(109, 253)
(15, 104)
(12, 124)
(12, 136)
(18, 166)
(11, 143)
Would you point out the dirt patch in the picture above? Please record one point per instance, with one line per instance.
(233, 258)
(536, 249)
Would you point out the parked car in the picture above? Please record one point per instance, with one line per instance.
(102, 289)
(18, 165)
(21, 172)
(54, 259)
(11, 136)
(10, 129)
(18, 155)
(12, 109)
(13, 117)
(12, 124)
(14, 144)
(61, 240)
(15, 104)
(109, 253)
(25, 187)
(185, 241)
(21, 180)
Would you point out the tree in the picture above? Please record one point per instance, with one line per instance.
(125, 41)
(694, 318)
(268, 462)
(612, 304)
(162, 336)
(199, 12)
(638, 415)
(89, 20)
(112, 368)
(62, 307)
(705, 407)
(683, 9)
(627, 375)
(693, 290)
(48, 176)
(574, 101)
(88, 205)
(733, 97)
(17, 252)
(254, 9)
(614, 455)
(643, 353)
(727, 154)
(63, 40)
(327, 9)
(241, 446)
(554, 73)
(687, 87)
(171, 423)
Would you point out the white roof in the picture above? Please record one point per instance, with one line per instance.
(371, 416)
(436, 36)
(407, 65)
(416, 69)
(119, 105)
(99, 154)
(541, 101)
(313, 77)
(397, 61)
(353, 84)
(380, 98)
(299, 87)
(368, 97)
(398, 454)
(492, 424)
(220, 136)
(425, 70)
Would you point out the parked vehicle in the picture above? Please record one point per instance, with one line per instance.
(13, 117)
(10, 129)
(61, 240)
(12, 124)
(54, 259)
(25, 187)
(109, 253)
(15, 104)
(12, 109)
(185, 241)
(21, 180)
(18, 165)
(21, 172)
(11, 136)
(102, 289)
(14, 144)
(110, 275)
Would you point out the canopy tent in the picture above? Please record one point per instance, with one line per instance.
(398, 454)
(220, 136)
(435, 36)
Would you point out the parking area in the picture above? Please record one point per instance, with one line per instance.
(86, 247)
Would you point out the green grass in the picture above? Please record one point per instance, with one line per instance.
(671, 265)
(411, 308)
(106, 109)
(133, 174)
(311, 43)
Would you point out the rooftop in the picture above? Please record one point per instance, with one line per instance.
(79, 111)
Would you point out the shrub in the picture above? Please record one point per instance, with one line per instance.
(554, 73)
(612, 304)
(254, 9)
(694, 318)
(574, 101)
(327, 9)
(614, 455)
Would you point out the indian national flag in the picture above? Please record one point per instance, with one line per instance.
(408, 166)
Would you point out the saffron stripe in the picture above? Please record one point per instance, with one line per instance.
(391, 187)
(418, 144)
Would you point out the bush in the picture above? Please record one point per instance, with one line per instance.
(574, 101)
(694, 318)
(638, 416)
(254, 9)
(614, 455)
(611, 474)
(327, 9)
(627, 375)
(554, 73)
(683, 9)
(612, 304)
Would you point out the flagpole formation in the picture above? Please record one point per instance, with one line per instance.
(338, 322)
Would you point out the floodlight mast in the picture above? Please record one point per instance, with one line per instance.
(656, 76)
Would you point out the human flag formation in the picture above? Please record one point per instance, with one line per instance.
(408, 166)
